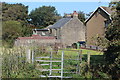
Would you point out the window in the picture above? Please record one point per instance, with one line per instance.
(106, 23)
(43, 34)
(98, 10)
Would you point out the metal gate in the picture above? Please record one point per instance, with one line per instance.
(62, 61)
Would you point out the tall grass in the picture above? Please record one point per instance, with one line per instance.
(14, 64)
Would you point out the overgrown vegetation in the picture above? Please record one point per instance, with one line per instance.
(112, 55)
(14, 64)
(12, 30)
(111, 45)
(14, 23)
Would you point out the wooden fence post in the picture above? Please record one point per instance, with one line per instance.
(80, 60)
(62, 59)
(77, 68)
(81, 56)
(88, 58)
(50, 63)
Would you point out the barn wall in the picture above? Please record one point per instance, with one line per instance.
(72, 32)
(95, 27)
(35, 42)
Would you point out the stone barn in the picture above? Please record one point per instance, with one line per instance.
(64, 32)
(68, 30)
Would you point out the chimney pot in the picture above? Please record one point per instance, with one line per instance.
(75, 14)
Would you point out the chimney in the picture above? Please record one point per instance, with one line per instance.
(75, 14)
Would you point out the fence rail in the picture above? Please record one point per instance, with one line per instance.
(43, 57)
(62, 66)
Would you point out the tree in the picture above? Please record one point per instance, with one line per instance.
(44, 16)
(112, 55)
(11, 30)
(14, 12)
(15, 24)
(81, 16)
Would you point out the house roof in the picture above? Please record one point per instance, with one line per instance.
(35, 37)
(107, 10)
(60, 23)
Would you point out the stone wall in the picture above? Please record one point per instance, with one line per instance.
(72, 32)
(34, 42)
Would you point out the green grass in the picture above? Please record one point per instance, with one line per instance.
(84, 51)
(70, 65)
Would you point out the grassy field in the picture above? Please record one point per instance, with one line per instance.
(84, 51)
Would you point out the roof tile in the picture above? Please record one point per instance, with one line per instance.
(60, 23)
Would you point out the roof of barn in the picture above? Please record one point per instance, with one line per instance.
(60, 23)
(36, 37)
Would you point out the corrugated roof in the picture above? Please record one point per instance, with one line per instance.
(60, 23)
